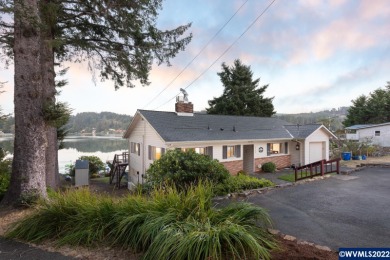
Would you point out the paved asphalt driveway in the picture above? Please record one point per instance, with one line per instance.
(340, 211)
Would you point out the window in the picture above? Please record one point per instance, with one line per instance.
(135, 148)
(231, 151)
(201, 150)
(277, 148)
(155, 153)
(377, 133)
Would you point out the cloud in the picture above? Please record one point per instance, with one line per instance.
(374, 9)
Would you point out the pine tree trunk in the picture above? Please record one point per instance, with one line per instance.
(48, 81)
(28, 179)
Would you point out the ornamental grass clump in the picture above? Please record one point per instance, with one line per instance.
(166, 225)
(73, 217)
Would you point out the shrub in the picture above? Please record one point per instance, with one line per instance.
(166, 225)
(242, 172)
(5, 173)
(239, 183)
(95, 165)
(182, 169)
(268, 167)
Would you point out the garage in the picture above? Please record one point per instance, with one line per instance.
(316, 151)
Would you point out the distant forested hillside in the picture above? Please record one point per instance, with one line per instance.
(102, 122)
(8, 125)
(332, 119)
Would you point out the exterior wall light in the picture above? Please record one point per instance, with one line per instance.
(297, 147)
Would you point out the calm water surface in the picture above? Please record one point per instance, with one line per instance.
(75, 146)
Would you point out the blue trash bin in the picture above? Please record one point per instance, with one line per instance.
(346, 156)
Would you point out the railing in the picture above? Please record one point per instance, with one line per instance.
(319, 168)
(119, 165)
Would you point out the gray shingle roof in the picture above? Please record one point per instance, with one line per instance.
(204, 127)
(302, 131)
(356, 127)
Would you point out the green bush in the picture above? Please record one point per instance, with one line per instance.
(5, 173)
(182, 169)
(242, 172)
(165, 225)
(240, 183)
(268, 167)
(95, 165)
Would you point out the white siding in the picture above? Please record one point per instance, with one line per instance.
(318, 136)
(369, 134)
(144, 134)
(296, 155)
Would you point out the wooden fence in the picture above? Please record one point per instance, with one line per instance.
(319, 168)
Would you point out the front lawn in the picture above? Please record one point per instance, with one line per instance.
(291, 176)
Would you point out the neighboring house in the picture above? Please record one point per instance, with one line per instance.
(378, 134)
(238, 142)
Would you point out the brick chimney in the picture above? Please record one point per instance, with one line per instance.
(183, 108)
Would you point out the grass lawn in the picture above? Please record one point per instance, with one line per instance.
(102, 179)
(287, 177)
(291, 176)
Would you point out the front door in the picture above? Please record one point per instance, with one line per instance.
(248, 158)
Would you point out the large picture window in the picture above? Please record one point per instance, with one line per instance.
(231, 151)
(155, 153)
(277, 148)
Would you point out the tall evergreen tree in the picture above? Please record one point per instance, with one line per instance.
(371, 109)
(117, 38)
(241, 95)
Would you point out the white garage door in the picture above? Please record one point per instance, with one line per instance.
(316, 152)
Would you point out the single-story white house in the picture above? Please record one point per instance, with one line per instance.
(238, 142)
(378, 134)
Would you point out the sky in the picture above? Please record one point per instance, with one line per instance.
(313, 54)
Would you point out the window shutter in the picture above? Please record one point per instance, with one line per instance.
(209, 151)
(280, 147)
(139, 149)
(237, 151)
(162, 151)
(150, 152)
(268, 149)
(286, 147)
(224, 152)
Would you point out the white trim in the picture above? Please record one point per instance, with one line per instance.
(326, 130)
(236, 141)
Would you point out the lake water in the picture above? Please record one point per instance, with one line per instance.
(75, 146)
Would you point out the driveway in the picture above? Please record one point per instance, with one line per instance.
(340, 211)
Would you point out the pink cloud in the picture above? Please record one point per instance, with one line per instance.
(374, 9)
(342, 34)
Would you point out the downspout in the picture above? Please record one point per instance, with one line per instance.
(143, 150)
